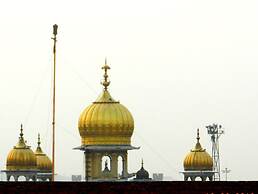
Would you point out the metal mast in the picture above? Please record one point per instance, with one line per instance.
(215, 131)
(54, 103)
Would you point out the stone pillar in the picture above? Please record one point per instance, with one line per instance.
(8, 177)
(88, 166)
(92, 161)
(98, 162)
(123, 168)
(27, 178)
(114, 166)
(15, 178)
(125, 165)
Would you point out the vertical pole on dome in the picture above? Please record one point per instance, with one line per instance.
(38, 139)
(198, 136)
(105, 82)
(54, 101)
(21, 134)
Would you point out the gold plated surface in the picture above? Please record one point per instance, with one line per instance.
(21, 157)
(105, 82)
(198, 158)
(106, 121)
(43, 161)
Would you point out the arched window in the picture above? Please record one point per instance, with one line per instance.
(11, 178)
(106, 163)
(198, 179)
(21, 178)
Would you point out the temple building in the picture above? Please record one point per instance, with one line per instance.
(106, 127)
(198, 164)
(21, 161)
(44, 164)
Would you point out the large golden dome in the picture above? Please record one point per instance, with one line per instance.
(21, 157)
(43, 161)
(198, 159)
(106, 121)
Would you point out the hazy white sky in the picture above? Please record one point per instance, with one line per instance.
(176, 65)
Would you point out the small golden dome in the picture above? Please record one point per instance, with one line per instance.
(198, 159)
(43, 161)
(21, 157)
(106, 121)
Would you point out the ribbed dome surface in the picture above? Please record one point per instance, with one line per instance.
(21, 157)
(106, 121)
(198, 159)
(142, 174)
(43, 161)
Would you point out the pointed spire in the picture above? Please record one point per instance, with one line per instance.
(198, 136)
(39, 150)
(21, 143)
(142, 162)
(105, 82)
(21, 134)
(198, 145)
(39, 140)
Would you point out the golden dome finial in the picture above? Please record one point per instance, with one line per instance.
(198, 145)
(105, 82)
(21, 133)
(39, 140)
(21, 142)
(142, 162)
(39, 150)
(198, 136)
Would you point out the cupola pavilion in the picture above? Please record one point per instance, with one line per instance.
(198, 163)
(105, 127)
(44, 164)
(21, 161)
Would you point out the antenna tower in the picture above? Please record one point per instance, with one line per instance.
(215, 131)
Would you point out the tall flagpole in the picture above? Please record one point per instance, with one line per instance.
(54, 102)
